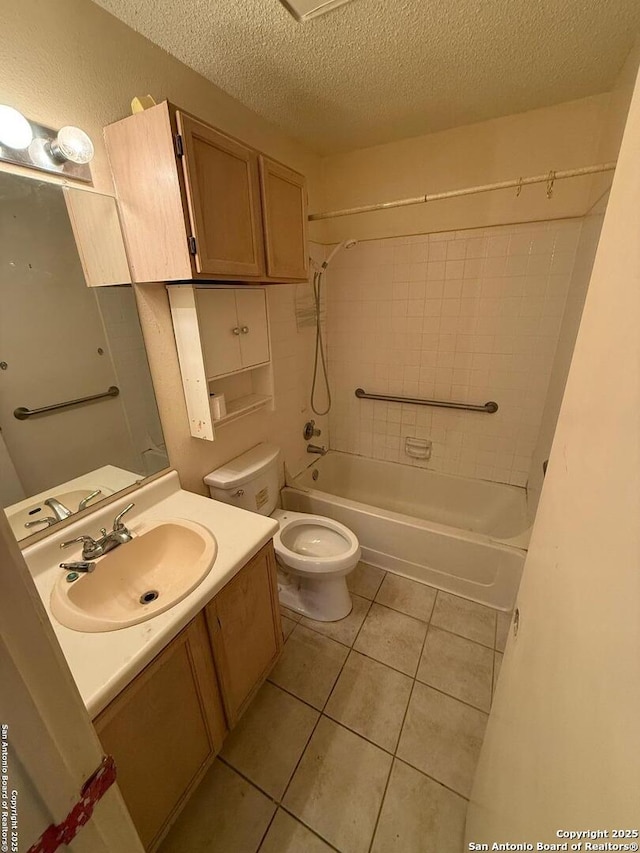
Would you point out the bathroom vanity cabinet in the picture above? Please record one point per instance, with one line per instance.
(199, 204)
(222, 338)
(246, 632)
(165, 729)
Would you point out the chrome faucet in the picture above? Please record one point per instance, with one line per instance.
(92, 548)
(313, 448)
(45, 519)
(86, 501)
(59, 509)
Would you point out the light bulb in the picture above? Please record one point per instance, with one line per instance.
(40, 153)
(72, 144)
(15, 130)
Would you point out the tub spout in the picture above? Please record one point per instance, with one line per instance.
(313, 448)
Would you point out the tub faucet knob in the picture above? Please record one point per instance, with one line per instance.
(310, 430)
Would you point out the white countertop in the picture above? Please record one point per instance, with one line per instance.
(103, 663)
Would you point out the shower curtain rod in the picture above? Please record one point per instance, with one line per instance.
(518, 183)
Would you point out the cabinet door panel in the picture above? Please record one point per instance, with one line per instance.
(245, 629)
(224, 200)
(284, 206)
(217, 320)
(252, 316)
(164, 729)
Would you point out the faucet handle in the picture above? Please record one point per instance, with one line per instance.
(86, 540)
(117, 521)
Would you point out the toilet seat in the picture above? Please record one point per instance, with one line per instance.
(315, 545)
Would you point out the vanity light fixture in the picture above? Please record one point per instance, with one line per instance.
(15, 130)
(26, 143)
(304, 10)
(72, 144)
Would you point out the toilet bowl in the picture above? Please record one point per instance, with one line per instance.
(314, 553)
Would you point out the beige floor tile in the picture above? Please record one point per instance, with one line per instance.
(270, 761)
(287, 626)
(309, 666)
(225, 815)
(338, 787)
(392, 638)
(442, 737)
(502, 630)
(365, 580)
(371, 699)
(419, 815)
(413, 598)
(344, 630)
(497, 663)
(290, 614)
(287, 835)
(457, 666)
(466, 618)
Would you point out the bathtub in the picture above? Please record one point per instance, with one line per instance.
(464, 536)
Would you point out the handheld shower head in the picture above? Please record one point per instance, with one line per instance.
(346, 244)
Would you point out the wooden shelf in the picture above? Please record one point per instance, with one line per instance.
(243, 406)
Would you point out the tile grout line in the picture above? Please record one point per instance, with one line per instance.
(276, 802)
(414, 680)
(321, 713)
(417, 618)
(269, 825)
(404, 718)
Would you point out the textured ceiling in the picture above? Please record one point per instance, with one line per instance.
(378, 70)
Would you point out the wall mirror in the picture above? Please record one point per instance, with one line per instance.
(63, 341)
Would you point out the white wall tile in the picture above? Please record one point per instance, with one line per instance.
(471, 315)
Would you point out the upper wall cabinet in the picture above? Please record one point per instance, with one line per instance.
(198, 204)
(284, 202)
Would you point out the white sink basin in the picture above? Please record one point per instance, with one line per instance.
(138, 580)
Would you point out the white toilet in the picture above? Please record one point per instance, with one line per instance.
(315, 554)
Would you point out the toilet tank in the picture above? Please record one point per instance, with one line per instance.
(250, 481)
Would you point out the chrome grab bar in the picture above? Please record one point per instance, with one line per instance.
(22, 413)
(490, 407)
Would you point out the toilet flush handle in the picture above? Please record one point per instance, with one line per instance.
(238, 494)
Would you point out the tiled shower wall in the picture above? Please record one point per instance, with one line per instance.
(468, 316)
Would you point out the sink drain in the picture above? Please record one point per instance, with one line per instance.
(149, 596)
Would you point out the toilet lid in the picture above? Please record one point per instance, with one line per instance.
(315, 543)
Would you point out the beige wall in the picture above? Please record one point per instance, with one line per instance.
(608, 146)
(560, 137)
(562, 743)
(578, 287)
(70, 62)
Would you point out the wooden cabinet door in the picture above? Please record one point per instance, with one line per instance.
(246, 632)
(219, 331)
(284, 210)
(223, 195)
(164, 730)
(251, 308)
